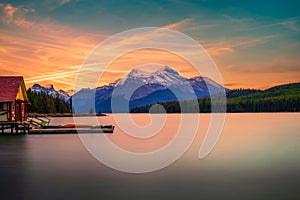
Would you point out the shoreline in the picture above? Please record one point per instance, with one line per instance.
(103, 115)
(64, 115)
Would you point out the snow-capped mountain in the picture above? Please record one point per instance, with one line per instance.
(165, 76)
(138, 83)
(143, 88)
(49, 90)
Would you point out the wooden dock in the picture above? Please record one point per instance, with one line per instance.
(18, 128)
(58, 129)
(14, 127)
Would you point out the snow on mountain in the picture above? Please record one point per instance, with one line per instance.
(165, 76)
(49, 90)
(203, 86)
(143, 83)
(143, 88)
(199, 81)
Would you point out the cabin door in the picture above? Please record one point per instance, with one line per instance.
(18, 111)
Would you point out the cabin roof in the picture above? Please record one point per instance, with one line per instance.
(11, 87)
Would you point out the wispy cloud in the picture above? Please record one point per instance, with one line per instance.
(228, 45)
(12, 15)
(54, 4)
(44, 50)
(293, 23)
(39, 49)
(178, 25)
(251, 25)
(62, 2)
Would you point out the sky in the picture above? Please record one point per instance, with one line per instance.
(254, 44)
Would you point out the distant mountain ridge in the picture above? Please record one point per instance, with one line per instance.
(141, 88)
(280, 98)
(49, 90)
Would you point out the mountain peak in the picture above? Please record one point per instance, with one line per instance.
(138, 73)
(165, 76)
(166, 69)
(49, 90)
(144, 73)
(36, 85)
(49, 86)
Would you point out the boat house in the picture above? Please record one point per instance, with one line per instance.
(13, 98)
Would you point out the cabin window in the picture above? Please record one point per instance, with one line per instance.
(1, 106)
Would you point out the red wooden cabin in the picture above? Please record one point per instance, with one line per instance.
(13, 98)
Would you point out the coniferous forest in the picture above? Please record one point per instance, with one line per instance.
(284, 98)
(44, 104)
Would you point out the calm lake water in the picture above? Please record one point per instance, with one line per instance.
(256, 157)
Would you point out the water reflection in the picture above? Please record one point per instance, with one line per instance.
(257, 157)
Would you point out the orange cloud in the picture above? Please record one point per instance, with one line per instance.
(42, 51)
(14, 15)
(46, 52)
(225, 46)
(219, 50)
(178, 25)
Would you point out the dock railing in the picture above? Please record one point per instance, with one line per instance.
(37, 121)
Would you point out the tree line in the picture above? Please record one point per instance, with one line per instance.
(278, 104)
(44, 103)
(284, 98)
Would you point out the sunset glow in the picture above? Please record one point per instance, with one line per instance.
(46, 42)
